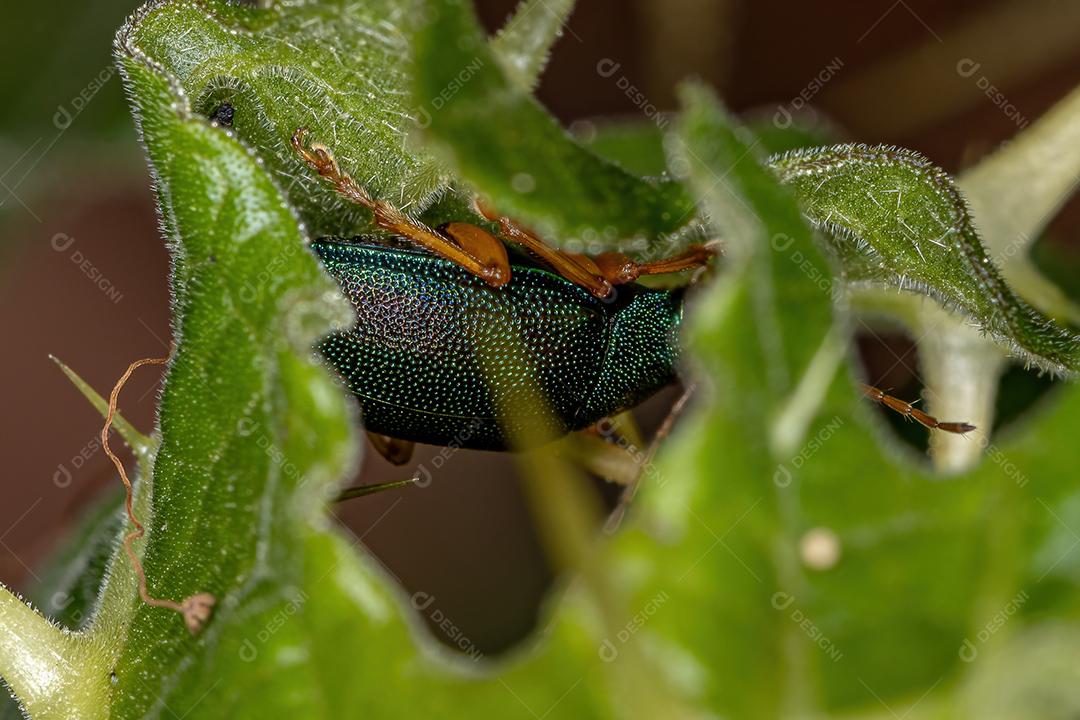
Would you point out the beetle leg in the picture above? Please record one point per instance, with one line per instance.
(578, 269)
(492, 268)
(618, 269)
(599, 274)
(479, 243)
(396, 452)
(909, 411)
(611, 449)
(614, 463)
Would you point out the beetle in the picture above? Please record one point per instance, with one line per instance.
(439, 356)
(457, 344)
(437, 353)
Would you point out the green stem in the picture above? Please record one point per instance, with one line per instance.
(55, 675)
(1015, 192)
(789, 428)
(961, 368)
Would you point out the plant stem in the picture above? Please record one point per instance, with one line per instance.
(1016, 191)
(961, 368)
(54, 674)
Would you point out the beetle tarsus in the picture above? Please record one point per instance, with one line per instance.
(909, 411)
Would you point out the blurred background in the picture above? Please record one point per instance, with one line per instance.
(83, 270)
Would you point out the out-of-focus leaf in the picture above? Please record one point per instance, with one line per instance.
(637, 146)
(510, 149)
(68, 590)
(781, 563)
(745, 204)
(899, 220)
(524, 43)
(1016, 191)
(781, 130)
(835, 577)
(73, 90)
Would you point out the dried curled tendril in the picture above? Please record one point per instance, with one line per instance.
(195, 609)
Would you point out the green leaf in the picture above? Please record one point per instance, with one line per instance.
(498, 139)
(780, 562)
(729, 542)
(253, 433)
(833, 577)
(899, 220)
(637, 146)
(317, 65)
(524, 43)
(746, 204)
(254, 440)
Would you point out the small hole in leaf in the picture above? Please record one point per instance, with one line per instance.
(223, 115)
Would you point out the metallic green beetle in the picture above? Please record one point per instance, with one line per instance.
(436, 351)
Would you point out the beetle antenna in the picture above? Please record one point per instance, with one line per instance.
(909, 411)
(365, 490)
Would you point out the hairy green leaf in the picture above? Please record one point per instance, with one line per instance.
(511, 150)
(898, 219)
(779, 563)
(524, 43)
(832, 576)
(336, 68)
(252, 432)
